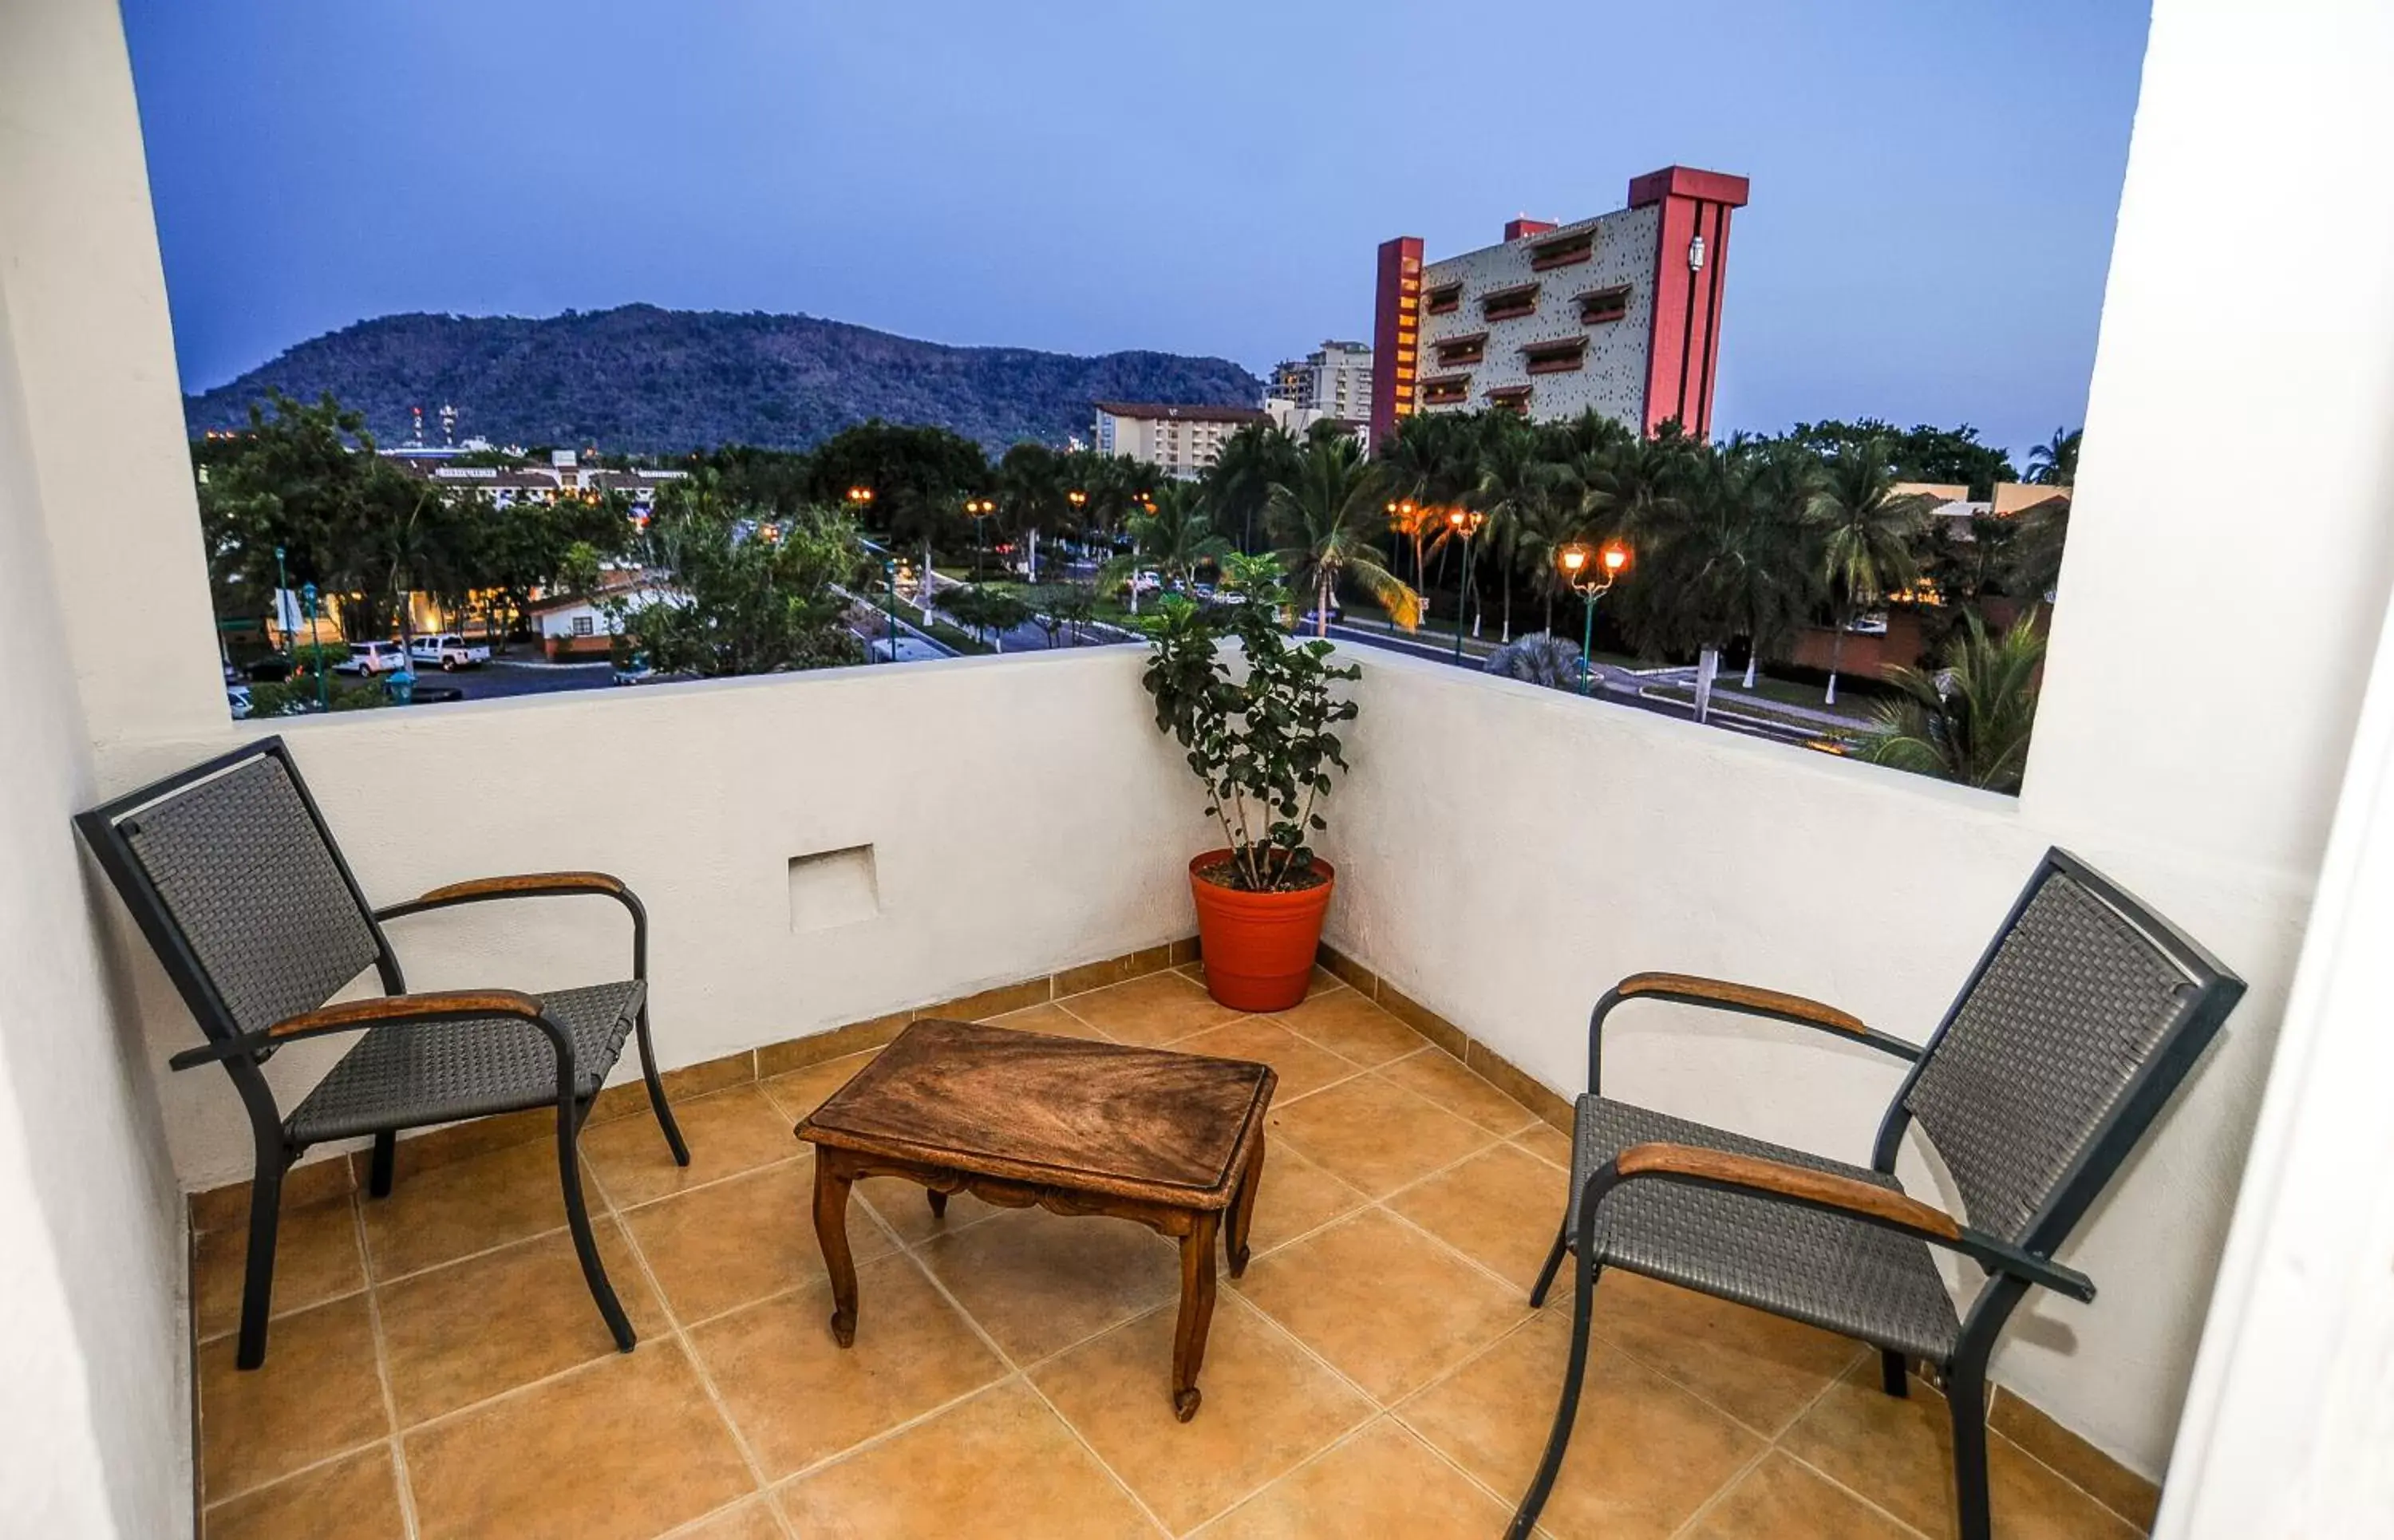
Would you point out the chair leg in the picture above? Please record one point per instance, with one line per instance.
(257, 1282)
(386, 1164)
(1894, 1375)
(657, 1093)
(1550, 1464)
(586, 1246)
(1554, 1260)
(1965, 1401)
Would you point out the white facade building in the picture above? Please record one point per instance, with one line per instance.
(1179, 440)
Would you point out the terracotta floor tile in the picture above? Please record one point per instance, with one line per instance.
(1759, 1368)
(1499, 1208)
(317, 1394)
(797, 1397)
(1151, 1009)
(1296, 1196)
(997, 1468)
(1439, 1078)
(1375, 1136)
(1382, 1484)
(462, 1333)
(1782, 1500)
(905, 1208)
(1038, 1283)
(1548, 1144)
(1389, 1306)
(1899, 1455)
(1268, 1405)
(1303, 1068)
(455, 1209)
(1352, 1027)
(723, 1246)
(523, 1465)
(1645, 1455)
(316, 1258)
(753, 1520)
(801, 1091)
(728, 1133)
(1051, 1019)
(355, 1498)
(1323, 981)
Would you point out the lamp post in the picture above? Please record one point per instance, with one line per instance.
(1466, 523)
(889, 574)
(1080, 501)
(1573, 560)
(979, 508)
(282, 587)
(323, 685)
(1400, 518)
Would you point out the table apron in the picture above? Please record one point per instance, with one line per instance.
(1176, 1219)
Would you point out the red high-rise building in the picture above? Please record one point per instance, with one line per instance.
(1620, 314)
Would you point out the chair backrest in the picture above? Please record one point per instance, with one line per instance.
(235, 881)
(2082, 1017)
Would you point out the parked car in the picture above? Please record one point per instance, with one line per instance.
(273, 668)
(451, 651)
(1313, 618)
(370, 658)
(1146, 582)
(237, 697)
(636, 669)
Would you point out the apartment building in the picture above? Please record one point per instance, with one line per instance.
(1179, 440)
(1620, 313)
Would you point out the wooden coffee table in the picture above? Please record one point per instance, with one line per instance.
(1173, 1140)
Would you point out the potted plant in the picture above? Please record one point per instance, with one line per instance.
(1260, 740)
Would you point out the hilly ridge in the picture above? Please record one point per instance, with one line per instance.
(644, 379)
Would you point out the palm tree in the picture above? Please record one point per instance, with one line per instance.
(1867, 531)
(1240, 480)
(1540, 533)
(1776, 587)
(1170, 533)
(1538, 658)
(2055, 462)
(1432, 460)
(1516, 482)
(1030, 495)
(1325, 520)
(1970, 720)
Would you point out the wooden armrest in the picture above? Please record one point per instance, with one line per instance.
(527, 883)
(454, 1003)
(1823, 1189)
(1695, 989)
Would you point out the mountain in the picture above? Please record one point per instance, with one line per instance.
(644, 379)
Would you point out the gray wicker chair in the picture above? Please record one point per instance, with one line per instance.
(235, 881)
(2079, 1021)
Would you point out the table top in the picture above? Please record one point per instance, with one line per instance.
(1145, 1124)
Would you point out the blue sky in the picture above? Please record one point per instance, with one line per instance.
(1935, 185)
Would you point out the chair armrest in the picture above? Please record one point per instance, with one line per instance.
(527, 885)
(1691, 989)
(456, 1005)
(1755, 1176)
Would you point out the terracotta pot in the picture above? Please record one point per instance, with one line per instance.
(1258, 948)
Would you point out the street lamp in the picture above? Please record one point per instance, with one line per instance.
(282, 587)
(1400, 518)
(979, 508)
(1466, 523)
(1574, 560)
(889, 574)
(316, 648)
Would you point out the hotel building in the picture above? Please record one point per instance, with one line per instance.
(1619, 313)
(1179, 440)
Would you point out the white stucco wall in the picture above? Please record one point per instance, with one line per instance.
(1507, 853)
(94, 1393)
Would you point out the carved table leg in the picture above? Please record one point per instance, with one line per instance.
(939, 1201)
(1196, 1312)
(832, 1182)
(1242, 1208)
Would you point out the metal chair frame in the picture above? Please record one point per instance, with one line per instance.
(243, 1053)
(2013, 1268)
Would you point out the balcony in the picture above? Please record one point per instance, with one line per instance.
(1506, 852)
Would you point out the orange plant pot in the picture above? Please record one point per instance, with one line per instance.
(1258, 948)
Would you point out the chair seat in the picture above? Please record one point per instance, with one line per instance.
(1856, 1279)
(406, 1077)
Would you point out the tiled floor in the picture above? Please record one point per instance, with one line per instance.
(437, 1368)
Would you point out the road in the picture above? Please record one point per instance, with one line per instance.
(518, 677)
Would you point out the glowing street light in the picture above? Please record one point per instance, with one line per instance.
(1575, 559)
(1466, 523)
(979, 508)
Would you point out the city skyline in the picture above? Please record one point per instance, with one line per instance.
(1933, 194)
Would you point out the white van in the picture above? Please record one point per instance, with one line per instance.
(371, 658)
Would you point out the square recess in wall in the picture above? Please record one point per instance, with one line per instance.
(831, 888)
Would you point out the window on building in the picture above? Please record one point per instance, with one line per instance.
(1510, 398)
(1563, 251)
(1599, 305)
(1555, 358)
(1507, 304)
(1455, 351)
(585, 626)
(1444, 298)
(1445, 390)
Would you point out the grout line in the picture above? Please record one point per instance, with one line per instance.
(335, 1457)
(382, 1376)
